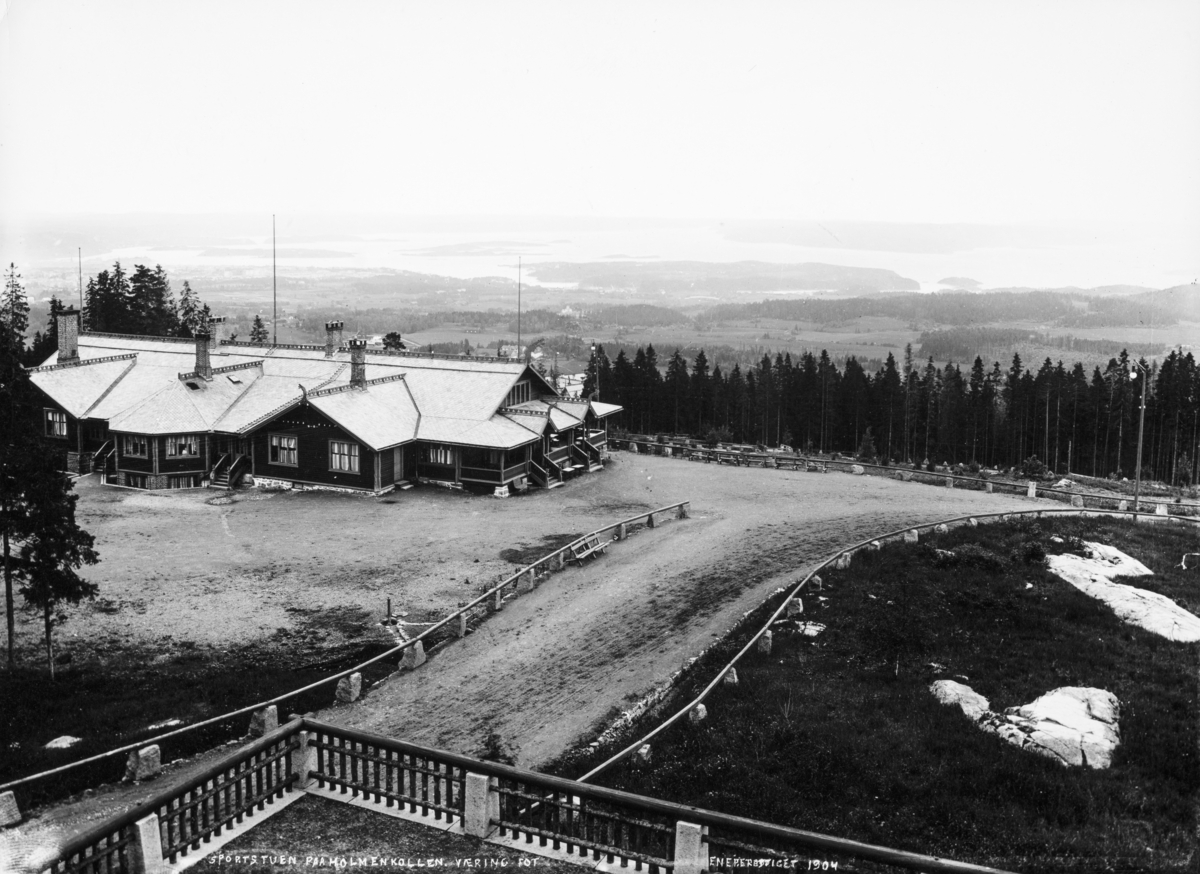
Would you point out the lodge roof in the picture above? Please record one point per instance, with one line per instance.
(148, 385)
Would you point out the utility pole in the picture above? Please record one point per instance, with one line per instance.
(1137, 480)
(518, 306)
(274, 292)
(80, 252)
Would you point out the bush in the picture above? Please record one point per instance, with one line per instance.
(717, 435)
(866, 449)
(1031, 468)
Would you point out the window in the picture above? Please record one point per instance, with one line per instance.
(135, 480)
(183, 446)
(182, 482)
(343, 456)
(438, 454)
(56, 423)
(135, 444)
(282, 449)
(475, 456)
(518, 394)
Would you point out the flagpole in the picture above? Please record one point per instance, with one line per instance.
(274, 293)
(518, 306)
(80, 251)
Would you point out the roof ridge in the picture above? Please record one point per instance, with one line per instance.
(195, 374)
(132, 364)
(337, 389)
(46, 368)
(155, 337)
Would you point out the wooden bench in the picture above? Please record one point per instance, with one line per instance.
(589, 547)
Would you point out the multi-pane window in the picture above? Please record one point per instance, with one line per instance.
(135, 444)
(282, 449)
(183, 446)
(519, 393)
(343, 456)
(56, 423)
(438, 454)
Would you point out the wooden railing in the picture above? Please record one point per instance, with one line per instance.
(542, 814)
(217, 468)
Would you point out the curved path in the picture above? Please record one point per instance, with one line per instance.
(556, 663)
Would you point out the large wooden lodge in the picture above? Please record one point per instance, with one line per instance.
(170, 413)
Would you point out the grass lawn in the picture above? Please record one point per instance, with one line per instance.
(841, 735)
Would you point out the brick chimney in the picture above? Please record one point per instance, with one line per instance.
(216, 332)
(333, 337)
(203, 362)
(358, 363)
(67, 327)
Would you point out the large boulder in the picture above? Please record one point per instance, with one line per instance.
(972, 703)
(1073, 725)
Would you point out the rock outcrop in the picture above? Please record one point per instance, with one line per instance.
(1093, 575)
(1073, 725)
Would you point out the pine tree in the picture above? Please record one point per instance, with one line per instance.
(193, 313)
(15, 307)
(258, 333)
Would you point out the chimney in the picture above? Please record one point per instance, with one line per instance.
(67, 327)
(203, 363)
(216, 332)
(333, 337)
(358, 363)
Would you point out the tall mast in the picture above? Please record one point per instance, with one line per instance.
(274, 294)
(518, 306)
(80, 252)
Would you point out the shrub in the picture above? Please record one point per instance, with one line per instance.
(1031, 468)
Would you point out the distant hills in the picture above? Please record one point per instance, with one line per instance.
(705, 277)
(960, 282)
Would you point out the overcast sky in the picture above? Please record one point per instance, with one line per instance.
(879, 111)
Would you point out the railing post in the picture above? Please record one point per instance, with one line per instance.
(683, 510)
(303, 761)
(649, 520)
(481, 805)
(691, 855)
(621, 532)
(461, 629)
(498, 601)
(146, 848)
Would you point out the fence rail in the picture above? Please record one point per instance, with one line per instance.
(538, 812)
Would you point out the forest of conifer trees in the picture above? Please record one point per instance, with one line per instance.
(989, 415)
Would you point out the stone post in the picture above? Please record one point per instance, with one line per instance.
(691, 854)
(461, 626)
(949, 482)
(1076, 500)
(302, 761)
(264, 720)
(843, 561)
(697, 714)
(622, 533)
(1123, 506)
(481, 805)
(989, 488)
(559, 561)
(1160, 510)
(1032, 491)
(144, 763)
(10, 813)
(349, 688)
(525, 583)
(730, 678)
(649, 520)
(764, 643)
(413, 657)
(683, 510)
(911, 536)
(146, 849)
(498, 601)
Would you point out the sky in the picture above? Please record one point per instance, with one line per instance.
(1072, 114)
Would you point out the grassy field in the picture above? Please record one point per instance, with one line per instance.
(841, 735)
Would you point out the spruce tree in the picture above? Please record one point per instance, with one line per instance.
(15, 307)
(258, 331)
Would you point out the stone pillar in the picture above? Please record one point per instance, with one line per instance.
(263, 721)
(498, 601)
(989, 488)
(146, 849)
(622, 533)
(1123, 506)
(941, 528)
(1076, 500)
(302, 761)
(1032, 491)
(560, 560)
(795, 607)
(525, 583)
(1160, 510)
(683, 510)
(843, 561)
(697, 714)
(911, 536)
(650, 520)
(730, 678)
(691, 853)
(481, 805)
(460, 627)
(764, 643)
(413, 657)
(949, 482)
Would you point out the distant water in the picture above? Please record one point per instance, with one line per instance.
(1079, 259)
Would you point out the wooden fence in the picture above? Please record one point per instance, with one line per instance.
(537, 813)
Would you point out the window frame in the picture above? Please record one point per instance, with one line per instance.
(174, 442)
(351, 455)
(51, 420)
(128, 440)
(434, 452)
(293, 450)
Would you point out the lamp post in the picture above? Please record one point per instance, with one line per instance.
(1137, 479)
(596, 367)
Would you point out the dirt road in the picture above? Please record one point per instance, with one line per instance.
(541, 673)
(555, 663)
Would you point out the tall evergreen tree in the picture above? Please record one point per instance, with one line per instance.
(259, 335)
(14, 308)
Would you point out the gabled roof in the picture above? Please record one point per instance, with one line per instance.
(185, 406)
(498, 432)
(381, 414)
(76, 387)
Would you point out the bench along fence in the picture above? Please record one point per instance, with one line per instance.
(454, 626)
(761, 639)
(533, 812)
(794, 461)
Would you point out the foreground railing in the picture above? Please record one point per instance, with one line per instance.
(534, 812)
